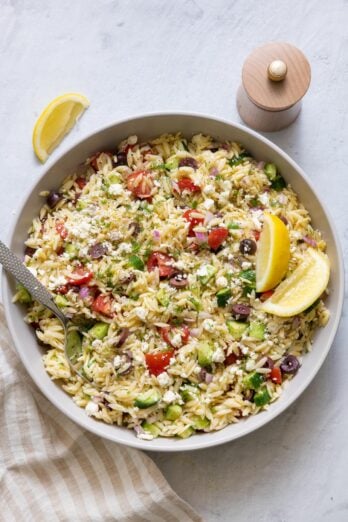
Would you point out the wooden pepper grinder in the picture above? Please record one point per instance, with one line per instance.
(275, 78)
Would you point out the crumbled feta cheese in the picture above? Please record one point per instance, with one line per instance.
(221, 282)
(118, 361)
(264, 198)
(141, 313)
(209, 189)
(179, 264)
(208, 325)
(202, 271)
(208, 203)
(115, 189)
(250, 365)
(176, 340)
(170, 396)
(124, 248)
(144, 346)
(145, 436)
(92, 407)
(218, 355)
(164, 379)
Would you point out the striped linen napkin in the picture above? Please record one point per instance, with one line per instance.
(50, 469)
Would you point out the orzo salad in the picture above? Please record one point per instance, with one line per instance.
(151, 250)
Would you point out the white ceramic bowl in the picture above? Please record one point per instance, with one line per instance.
(146, 127)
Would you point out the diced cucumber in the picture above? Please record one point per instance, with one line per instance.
(257, 330)
(136, 262)
(223, 296)
(147, 399)
(173, 412)
(61, 301)
(163, 297)
(22, 295)
(73, 345)
(99, 330)
(186, 433)
(71, 250)
(200, 423)
(233, 226)
(205, 354)
(153, 429)
(188, 392)
(209, 271)
(236, 329)
(253, 381)
(270, 170)
(262, 397)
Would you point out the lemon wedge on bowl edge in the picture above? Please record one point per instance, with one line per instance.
(273, 253)
(302, 288)
(55, 121)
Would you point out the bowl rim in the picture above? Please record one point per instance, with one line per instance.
(196, 442)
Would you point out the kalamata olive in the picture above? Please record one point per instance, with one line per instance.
(178, 281)
(135, 227)
(53, 198)
(123, 337)
(248, 246)
(121, 158)
(97, 251)
(29, 251)
(290, 364)
(269, 363)
(241, 312)
(188, 162)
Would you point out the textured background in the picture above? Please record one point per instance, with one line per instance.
(131, 57)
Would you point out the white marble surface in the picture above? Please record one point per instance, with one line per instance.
(137, 56)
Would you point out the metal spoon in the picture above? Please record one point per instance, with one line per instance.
(13, 265)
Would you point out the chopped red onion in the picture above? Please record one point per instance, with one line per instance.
(208, 217)
(214, 171)
(156, 235)
(139, 430)
(84, 292)
(201, 237)
(310, 241)
(208, 378)
(195, 332)
(123, 337)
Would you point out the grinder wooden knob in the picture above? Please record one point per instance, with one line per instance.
(275, 78)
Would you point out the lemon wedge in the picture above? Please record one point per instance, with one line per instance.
(273, 253)
(302, 288)
(55, 121)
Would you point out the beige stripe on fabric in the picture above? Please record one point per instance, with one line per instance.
(52, 470)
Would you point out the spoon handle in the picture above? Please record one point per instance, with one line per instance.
(15, 267)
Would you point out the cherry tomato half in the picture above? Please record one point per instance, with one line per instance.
(103, 305)
(163, 262)
(80, 276)
(276, 375)
(194, 217)
(61, 230)
(158, 362)
(187, 184)
(140, 183)
(217, 237)
(81, 182)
